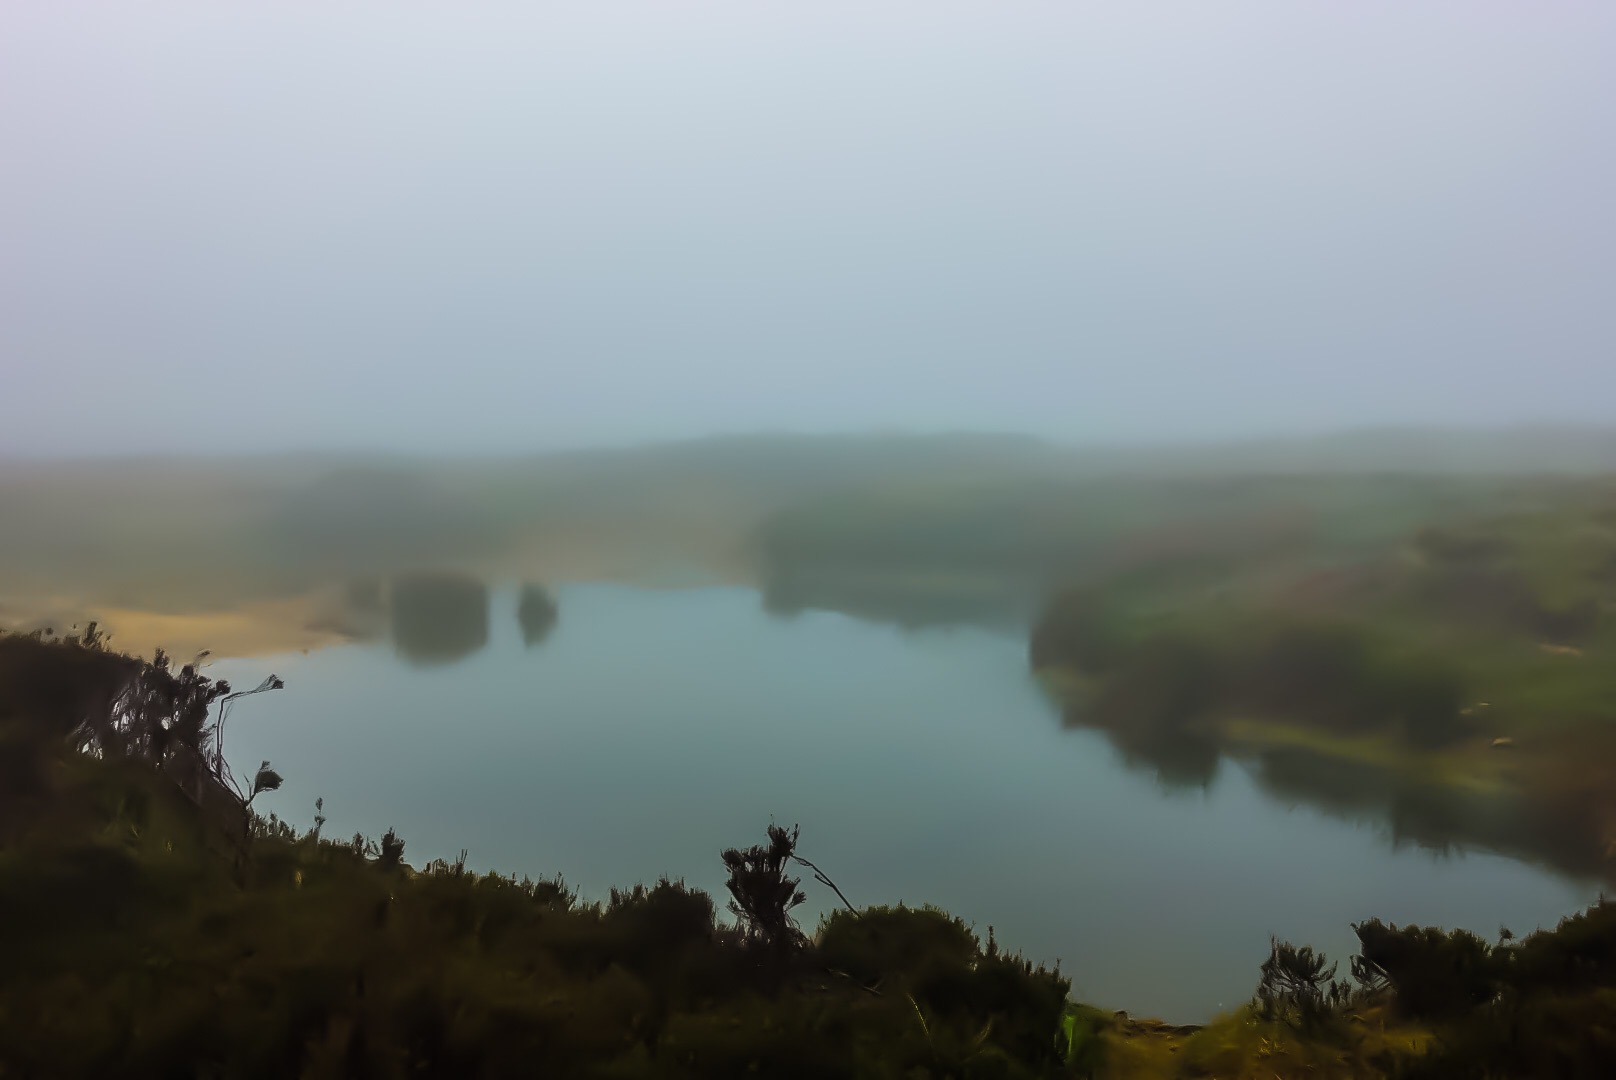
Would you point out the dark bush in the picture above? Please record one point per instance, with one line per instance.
(1533, 1036)
(1542, 1007)
(1024, 1002)
(887, 942)
(1297, 987)
(50, 687)
(1580, 953)
(762, 894)
(662, 920)
(392, 851)
(936, 961)
(1433, 973)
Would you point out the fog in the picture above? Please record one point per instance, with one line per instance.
(411, 227)
(1139, 478)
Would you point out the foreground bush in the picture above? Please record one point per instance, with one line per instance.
(144, 933)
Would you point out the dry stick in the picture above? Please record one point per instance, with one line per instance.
(272, 682)
(819, 876)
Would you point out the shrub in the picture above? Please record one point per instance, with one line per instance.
(661, 920)
(936, 961)
(1433, 973)
(1550, 1001)
(392, 853)
(1297, 987)
(1578, 954)
(762, 894)
(879, 943)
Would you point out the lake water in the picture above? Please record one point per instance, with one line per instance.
(651, 728)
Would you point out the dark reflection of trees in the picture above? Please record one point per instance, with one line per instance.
(1561, 835)
(912, 606)
(1563, 838)
(439, 618)
(1180, 760)
(536, 611)
(1149, 707)
(1156, 708)
(1181, 763)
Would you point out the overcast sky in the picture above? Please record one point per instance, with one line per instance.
(502, 226)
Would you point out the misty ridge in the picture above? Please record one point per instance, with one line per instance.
(714, 507)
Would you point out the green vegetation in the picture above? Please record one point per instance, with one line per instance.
(1463, 667)
(154, 923)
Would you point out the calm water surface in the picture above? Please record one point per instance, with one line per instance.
(651, 728)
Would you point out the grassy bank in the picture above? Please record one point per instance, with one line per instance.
(1465, 667)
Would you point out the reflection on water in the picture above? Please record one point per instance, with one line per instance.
(923, 766)
(1181, 762)
(438, 618)
(1436, 817)
(1413, 811)
(536, 613)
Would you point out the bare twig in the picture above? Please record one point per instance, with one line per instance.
(819, 876)
(272, 682)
